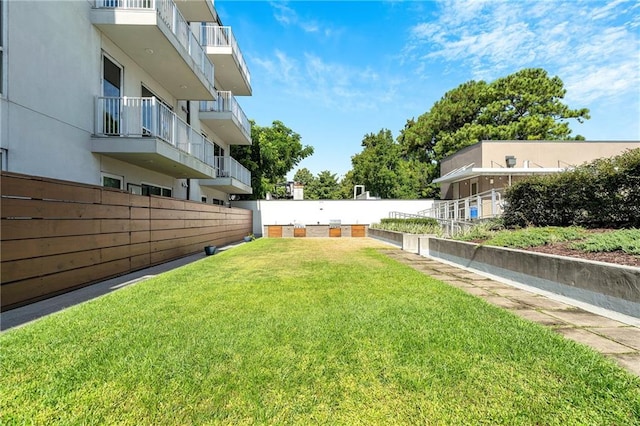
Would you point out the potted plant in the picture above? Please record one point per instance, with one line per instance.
(209, 250)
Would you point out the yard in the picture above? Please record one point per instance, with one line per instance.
(302, 331)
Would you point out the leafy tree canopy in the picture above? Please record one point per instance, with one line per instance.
(304, 176)
(325, 186)
(383, 170)
(526, 105)
(274, 151)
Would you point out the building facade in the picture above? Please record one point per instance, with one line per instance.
(494, 165)
(138, 95)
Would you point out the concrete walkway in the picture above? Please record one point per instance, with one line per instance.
(25, 314)
(614, 335)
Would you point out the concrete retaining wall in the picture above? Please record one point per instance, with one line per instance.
(407, 242)
(605, 285)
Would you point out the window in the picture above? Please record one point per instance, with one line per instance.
(111, 78)
(217, 202)
(134, 189)
(474, 187)
(112, 181)
(148, 189)
(203, 199)
(111, 88)
(148, 111)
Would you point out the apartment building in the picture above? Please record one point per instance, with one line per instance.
(133, 94)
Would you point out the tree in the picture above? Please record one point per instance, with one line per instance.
(273, 153)
(304, 177)
(383, 170)
(324, 187)
(526, 105)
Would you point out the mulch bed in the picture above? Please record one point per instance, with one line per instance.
(617, 257)
(562, 249)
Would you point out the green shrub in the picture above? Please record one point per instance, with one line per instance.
(603, 193)
(481, 231)
(533, 237)
(410, 220)
(627, 240)
(417, 225)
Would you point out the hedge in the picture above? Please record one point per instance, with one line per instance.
(410, 221)
(603, 193)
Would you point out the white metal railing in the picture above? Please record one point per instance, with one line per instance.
(228, 167)
(226, 102)
(484, 205)
(148, 117)
(170, 15)
(217, 36)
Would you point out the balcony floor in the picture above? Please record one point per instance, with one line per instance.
(223, 124)
(227, 184)
(153, 154)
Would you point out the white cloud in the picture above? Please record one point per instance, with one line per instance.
(593, 46)
(331, 85)
(287, 16)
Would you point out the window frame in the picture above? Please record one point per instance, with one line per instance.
(111, 176)
(162, 189)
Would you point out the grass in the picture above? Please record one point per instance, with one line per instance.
(302, 331)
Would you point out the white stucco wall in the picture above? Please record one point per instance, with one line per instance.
(309, 212)
(54, 74)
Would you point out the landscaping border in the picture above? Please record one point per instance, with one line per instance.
(610, 286)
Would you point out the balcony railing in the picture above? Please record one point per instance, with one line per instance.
(217, 36)
(226, 102)
(168, 12)
(147, 117)
(229, 167)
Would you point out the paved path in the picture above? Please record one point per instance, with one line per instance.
(615, 339)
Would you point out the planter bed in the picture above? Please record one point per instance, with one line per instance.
(609, 286)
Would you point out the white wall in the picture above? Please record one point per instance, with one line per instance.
(309, 212)
(53, 74)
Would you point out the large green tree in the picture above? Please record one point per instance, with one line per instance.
(526, 105)
(324, 187)
(383, 170)
(274, 151)
(304, 176)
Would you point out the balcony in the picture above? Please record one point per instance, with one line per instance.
(158, 38)
(145, 132)
(225, 117)
(222, 49)
(197, 10)
(232, 178)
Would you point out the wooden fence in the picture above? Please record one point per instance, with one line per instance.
(58, 235)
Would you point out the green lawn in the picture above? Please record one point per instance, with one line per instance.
(302, 331)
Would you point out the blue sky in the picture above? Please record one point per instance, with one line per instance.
(335, 71)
